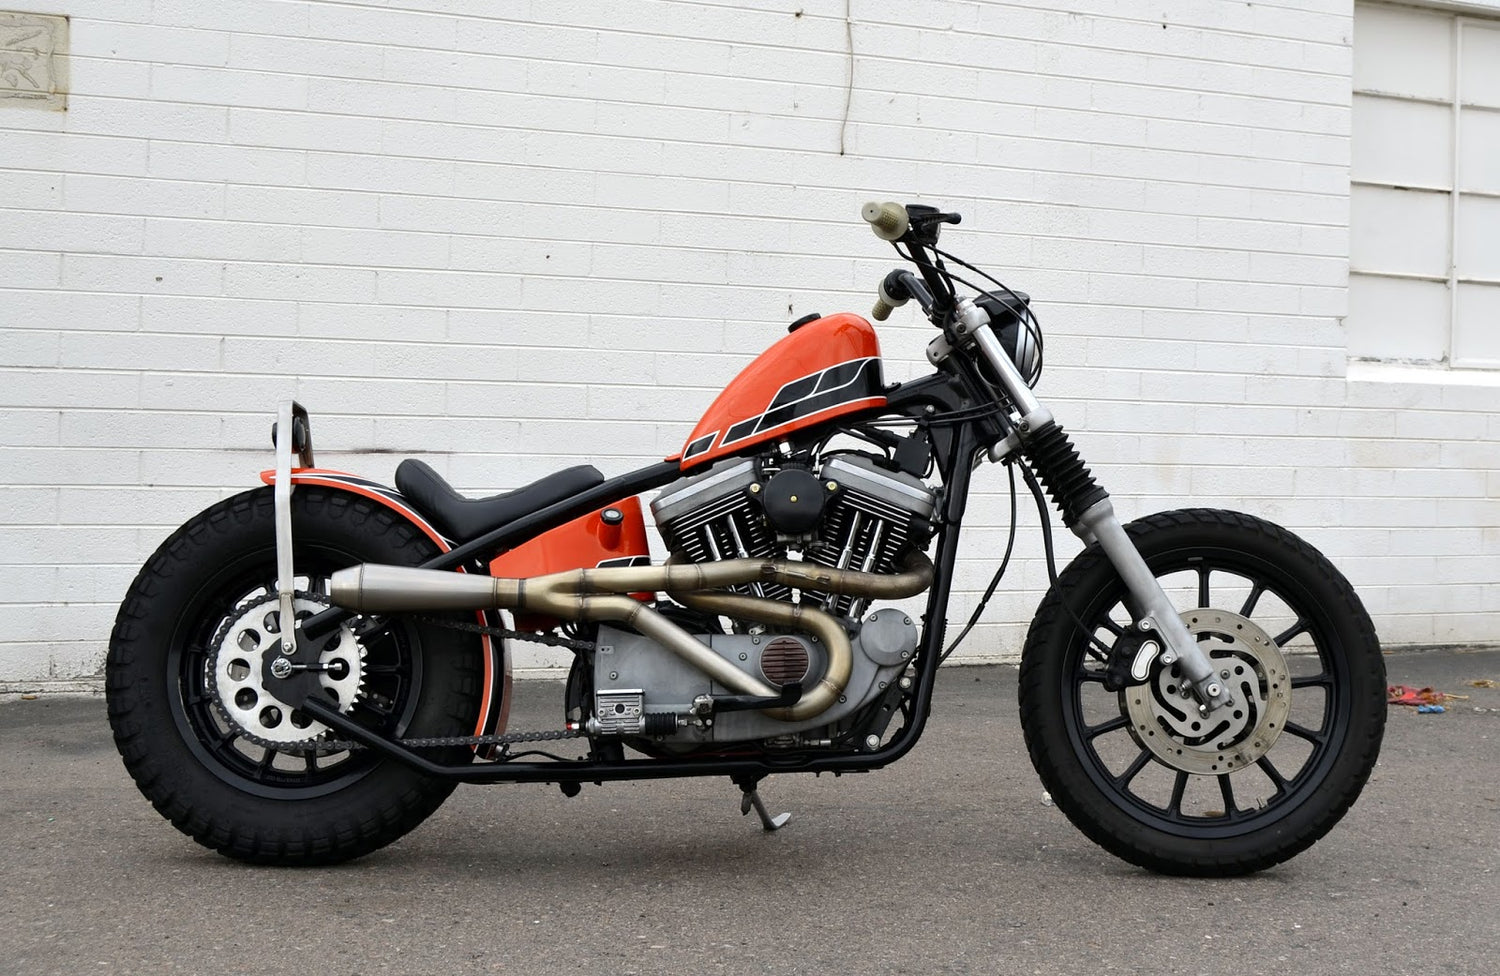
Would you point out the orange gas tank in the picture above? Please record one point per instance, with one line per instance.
(826, 368)
(612, 536)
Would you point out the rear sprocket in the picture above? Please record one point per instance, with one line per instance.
(243, 648)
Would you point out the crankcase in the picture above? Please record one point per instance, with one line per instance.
(629, 663)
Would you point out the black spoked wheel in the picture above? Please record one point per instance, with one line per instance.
(1141, 771)
(203, 732)
(252, 739)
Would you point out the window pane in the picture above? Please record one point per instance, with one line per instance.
(1476, 336)
(1402, 143)
(1403, 52)
(1479, 150)
(1396, 318)
(1479, 237)
(1480, 81)
(1398, 231)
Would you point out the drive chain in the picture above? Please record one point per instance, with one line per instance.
(444, 742)
(530, 636)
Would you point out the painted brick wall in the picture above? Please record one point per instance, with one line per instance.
(547, 232)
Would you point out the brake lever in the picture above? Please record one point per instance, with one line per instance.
(925, 220)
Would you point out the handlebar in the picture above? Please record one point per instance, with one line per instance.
(896, 289)
(915, 225)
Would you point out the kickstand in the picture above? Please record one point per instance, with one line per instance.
(752, 801)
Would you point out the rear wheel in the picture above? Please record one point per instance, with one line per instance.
(209, 743)
(1147, 776)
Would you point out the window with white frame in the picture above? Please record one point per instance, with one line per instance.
(1424, 250)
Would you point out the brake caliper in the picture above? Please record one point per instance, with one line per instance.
(1130, 660)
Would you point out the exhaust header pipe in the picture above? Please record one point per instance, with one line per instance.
(599, 594)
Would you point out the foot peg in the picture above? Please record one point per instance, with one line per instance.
(752, 801)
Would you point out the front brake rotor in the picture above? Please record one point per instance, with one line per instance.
(1164, 715)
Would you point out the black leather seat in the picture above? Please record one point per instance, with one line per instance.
(462, 519)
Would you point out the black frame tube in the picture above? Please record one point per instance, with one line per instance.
(489, 545)
(956, 463)
(492, 543)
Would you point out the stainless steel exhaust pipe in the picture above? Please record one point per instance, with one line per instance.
(599, 594)
(809, 576)
(375, 588)
(400, 589)
(823, 626)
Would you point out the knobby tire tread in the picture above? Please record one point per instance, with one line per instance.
(386, 804)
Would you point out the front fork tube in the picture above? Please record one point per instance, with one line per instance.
(1088, 512)
(1151, 608)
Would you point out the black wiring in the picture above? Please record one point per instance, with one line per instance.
(946, 419)
(950, 277)
(957, 417)
(943, 273)
(859, 434)
(1032, 325)
(963, 415)
(1028, 317)
(939, 267)
(1010, 545)
(1096, 649)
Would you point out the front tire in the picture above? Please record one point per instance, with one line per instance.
(210, 746)
(1139, 770)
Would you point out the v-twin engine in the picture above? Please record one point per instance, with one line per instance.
(848, 514)
(863, 517)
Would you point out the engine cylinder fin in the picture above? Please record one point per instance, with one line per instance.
(725, 525)
(873, 517)
(864, 533)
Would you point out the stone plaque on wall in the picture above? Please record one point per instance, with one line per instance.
(33, 61)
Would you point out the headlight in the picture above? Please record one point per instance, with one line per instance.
(1017, 329)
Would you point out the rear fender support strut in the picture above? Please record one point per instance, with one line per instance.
(293, 431)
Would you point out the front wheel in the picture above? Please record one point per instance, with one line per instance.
(1140, 770)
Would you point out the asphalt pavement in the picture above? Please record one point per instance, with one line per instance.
(947, 862)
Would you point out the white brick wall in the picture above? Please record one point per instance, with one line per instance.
(548, 232)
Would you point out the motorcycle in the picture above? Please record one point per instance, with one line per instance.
(303, 672)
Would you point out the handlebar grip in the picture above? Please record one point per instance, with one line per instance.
(886, 303)
(888, 220)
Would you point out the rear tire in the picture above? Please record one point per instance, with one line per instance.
(1254, 785)
(238, 793)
